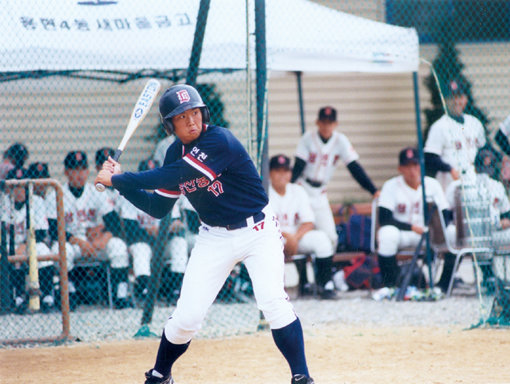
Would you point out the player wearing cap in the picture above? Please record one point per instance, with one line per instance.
(454, 139)
(291, 205)
(16, 215)
(212, 169)
(14, 157)
(317, 157)
(90, 226)
(400, 210)
(38, 170)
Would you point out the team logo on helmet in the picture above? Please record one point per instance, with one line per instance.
(183, 96)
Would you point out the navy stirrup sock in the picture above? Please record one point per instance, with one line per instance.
(168, 353)
(289, 341)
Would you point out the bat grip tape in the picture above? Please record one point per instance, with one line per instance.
(117, 154)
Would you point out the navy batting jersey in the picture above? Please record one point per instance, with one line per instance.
(214, 172)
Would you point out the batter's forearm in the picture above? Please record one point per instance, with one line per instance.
(155, 205)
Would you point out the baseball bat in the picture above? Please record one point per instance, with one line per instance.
(33, 270)
(142, 107)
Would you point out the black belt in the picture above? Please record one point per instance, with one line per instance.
(244, 223)
(313, 183)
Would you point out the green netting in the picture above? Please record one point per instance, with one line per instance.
(71, 72)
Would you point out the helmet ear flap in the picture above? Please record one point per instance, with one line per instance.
(167, 125)
(206, 116)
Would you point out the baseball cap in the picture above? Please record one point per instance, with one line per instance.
(279, 161)
(103, 154)
(18, 153)
(38, 170)
(488, 160)
(327, 114)
(408, 155)
(455, 87)
(17, 174)
(148, 164)
(75, 160)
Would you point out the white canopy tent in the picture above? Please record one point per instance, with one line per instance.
(158, 34)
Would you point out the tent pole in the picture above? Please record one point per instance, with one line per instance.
(428, 257)
(198, 39)
(299, 75)
(261, 76)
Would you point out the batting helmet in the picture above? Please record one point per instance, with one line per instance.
(178, 99)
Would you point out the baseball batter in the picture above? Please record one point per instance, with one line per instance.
(212, 169)
(16, 215)
(90, 225)
(292, 207)
(317, 157)
(401, 220)
(454, 139)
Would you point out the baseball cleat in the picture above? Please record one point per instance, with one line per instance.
(301, 379)
(150, 379)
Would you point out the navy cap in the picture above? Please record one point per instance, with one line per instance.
(327, 114)
(488, 160)
(17, 174)
(18, 153)
(76, 159)
(279, 161)
(408, 155)
(103, 154)
(38, 170)
(455, 87)
(148, 164)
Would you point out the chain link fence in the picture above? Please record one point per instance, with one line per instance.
(71, 73)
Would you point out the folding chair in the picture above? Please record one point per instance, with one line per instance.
(101, 269)
(473, 231)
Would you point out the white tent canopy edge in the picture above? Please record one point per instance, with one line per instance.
(158, 34)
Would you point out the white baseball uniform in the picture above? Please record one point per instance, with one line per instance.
(321, 160)
(406, 204)
(82, 213)
(456, 144)
(292, 210)
(17, 218)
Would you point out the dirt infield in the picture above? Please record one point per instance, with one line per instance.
(336, 355)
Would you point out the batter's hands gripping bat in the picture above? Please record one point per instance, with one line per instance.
(142, 107)
(33, 270)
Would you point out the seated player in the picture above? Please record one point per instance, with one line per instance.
(16, 216)
(292, 207)
(90, 228)
(401, 220)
